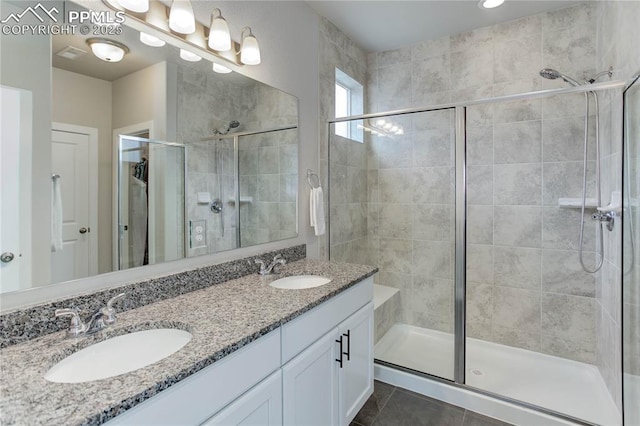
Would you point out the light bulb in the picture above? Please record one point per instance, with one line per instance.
(181, 19)
(489, 4)
(394, 129)
(189, 56)
(219, 36)
(221, 69)
(138, 6)
(250, 51)
(387, 126)
(150, 40)
(380, 122)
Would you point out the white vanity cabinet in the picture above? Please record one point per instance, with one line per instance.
(262, 405)
(329, 382)
(295, 375)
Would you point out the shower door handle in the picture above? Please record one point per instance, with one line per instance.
(339, 360)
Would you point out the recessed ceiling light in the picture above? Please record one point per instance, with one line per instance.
(489, 4)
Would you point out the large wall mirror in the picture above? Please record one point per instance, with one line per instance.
(113, 165)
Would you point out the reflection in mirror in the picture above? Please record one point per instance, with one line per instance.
(153, 94)
(151, 225)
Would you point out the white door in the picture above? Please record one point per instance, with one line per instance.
(15, 183)
(356, 376)
(260, 406)
(310, 385)
(70, 159)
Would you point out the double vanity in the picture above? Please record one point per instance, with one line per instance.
(289, 348)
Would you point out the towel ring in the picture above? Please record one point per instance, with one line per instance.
(310, 179)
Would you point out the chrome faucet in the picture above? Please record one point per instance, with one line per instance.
(101, 319)
(267, 270)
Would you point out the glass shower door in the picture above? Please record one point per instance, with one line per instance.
(392, 204)
(151, 192)
(631, 257)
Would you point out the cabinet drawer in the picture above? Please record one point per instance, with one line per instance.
(309, 327)
(198, 397)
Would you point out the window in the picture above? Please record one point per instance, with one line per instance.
(349, 96)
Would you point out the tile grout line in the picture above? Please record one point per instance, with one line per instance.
(384, 405)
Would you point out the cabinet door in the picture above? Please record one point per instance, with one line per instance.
(260, 406)
(310, 385)
(356, 376)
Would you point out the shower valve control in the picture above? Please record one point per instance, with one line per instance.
(605, 217)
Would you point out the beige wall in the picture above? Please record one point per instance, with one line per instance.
(141, 97)
(86, 101)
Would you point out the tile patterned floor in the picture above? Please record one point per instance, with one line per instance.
(391, 406)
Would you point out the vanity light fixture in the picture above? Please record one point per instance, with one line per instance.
(221, 69)
(138, 6)
(189, 56)
(219, 36)
(178, 22)
(181, 17)
(489, 4)
(107, 50)
(249, 50)
(150, 40)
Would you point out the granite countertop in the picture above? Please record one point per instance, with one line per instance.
(221, 318)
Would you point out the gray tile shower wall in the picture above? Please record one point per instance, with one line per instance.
(525, 285)
(207, 102)
(25, 324)
(618, 33)
(348, 200)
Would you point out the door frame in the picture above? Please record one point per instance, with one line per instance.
(131, 130)
(92, 133)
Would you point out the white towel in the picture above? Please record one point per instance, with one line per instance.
(56, 216)
(316, 211)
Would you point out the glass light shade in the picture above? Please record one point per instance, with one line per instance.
(150, 40)
(107, 51)
(221, 69)
(138, 6)
(219, 36)
(189, 56)
(489, 4)
(181, 18)
(250, 51)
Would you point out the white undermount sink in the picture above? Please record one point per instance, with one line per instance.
(300, 282)
(118, 355)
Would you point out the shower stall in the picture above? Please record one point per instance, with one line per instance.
(479, 215)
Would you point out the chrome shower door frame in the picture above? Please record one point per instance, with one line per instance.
(460, 109)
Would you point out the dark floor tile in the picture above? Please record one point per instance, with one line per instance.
(411, 409)
(475, 419)
(375, 403)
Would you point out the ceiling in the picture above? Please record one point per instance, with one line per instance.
(385, 25)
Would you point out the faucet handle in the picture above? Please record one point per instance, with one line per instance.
(262, 265)
(108, 313)
(77, 327)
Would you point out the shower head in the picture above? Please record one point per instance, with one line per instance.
(234, 124)
(552, 74)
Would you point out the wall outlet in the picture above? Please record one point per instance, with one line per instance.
(197, 233)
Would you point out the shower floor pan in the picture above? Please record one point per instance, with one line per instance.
(569, 387)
